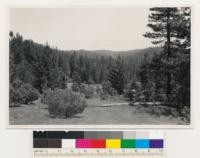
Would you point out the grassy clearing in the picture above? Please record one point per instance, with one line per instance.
(37, 114)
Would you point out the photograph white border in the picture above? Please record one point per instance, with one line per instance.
(106, 126)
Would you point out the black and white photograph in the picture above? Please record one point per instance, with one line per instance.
(108, 65)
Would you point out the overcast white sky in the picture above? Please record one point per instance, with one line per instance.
(83, 28)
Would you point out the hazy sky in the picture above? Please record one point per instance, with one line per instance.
(83, 28)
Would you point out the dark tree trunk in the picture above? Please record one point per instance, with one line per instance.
(168, 55)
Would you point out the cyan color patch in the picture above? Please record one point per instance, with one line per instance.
(142, 143)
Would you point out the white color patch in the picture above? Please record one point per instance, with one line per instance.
(68, 143)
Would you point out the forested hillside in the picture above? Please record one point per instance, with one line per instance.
(157, 78)
(45, 67)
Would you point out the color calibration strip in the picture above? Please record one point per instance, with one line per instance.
(97, 142)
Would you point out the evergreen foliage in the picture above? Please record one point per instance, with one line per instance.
(116, 76)
(44, 67)
(169, 71)
(22, 93)
(164, 71)
(64, 103)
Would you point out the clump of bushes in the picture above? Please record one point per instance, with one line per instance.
(64, 103)
(29, 93)
(15, 97)
(160, 97)
(128, 94)
(46, 96)
(76, 87)
(99, 90)
(108, 89)
(163, 110)
(87, 90)
(104, 96)
(22, 93)
(185, 113)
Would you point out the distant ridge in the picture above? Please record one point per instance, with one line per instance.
(106, 53)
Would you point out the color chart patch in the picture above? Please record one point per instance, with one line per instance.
(63, 143)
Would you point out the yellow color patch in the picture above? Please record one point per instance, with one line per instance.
(113, 143)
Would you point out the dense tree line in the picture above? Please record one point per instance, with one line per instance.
(167, 76)
(45, 67)
(164, 72)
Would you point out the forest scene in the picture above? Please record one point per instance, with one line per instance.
(147, 86)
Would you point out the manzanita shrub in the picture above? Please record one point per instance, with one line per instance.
(64, 103)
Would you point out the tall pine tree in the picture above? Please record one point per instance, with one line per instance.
(116, 76)
(162, 22)
(146, 79)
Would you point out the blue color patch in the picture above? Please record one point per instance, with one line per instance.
(141, 143)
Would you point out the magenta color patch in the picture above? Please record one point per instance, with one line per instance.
(83, 143)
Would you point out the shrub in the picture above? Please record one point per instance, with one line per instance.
(104, 96)
(113, 92)
(16, 97)
(64, 103)
(99, 90)
(17, 84)
(185, 113)
(29, 93)
(75, 87)
(45, 96)
(107, 88)
(128, 94)
(87, 90)
(160, 97)
(24, 94)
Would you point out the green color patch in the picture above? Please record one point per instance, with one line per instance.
(127, 143)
